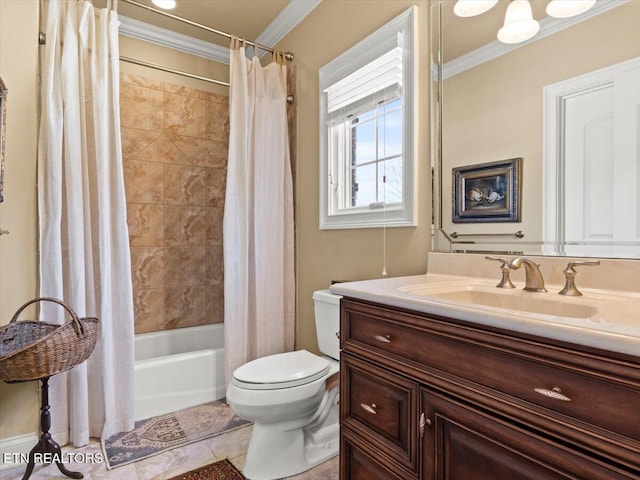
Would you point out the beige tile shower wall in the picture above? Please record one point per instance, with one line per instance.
(174, 142)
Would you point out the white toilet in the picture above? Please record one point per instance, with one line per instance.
(295, 415)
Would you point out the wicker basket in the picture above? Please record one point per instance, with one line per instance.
(32, 350)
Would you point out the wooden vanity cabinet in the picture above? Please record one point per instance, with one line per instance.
(434, 398)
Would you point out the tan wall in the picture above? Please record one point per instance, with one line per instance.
(330, 29)
(18, 251)
(494, 111)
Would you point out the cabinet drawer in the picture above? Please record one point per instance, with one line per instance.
(381, 408)
(528, 379)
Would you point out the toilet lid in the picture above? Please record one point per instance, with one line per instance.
(283, 370)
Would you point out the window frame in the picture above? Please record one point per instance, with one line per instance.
(366, 51)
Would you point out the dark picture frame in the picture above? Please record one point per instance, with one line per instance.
(487, 192)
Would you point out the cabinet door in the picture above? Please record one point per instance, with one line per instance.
(360, 463)
(462, 443)
(381, 407)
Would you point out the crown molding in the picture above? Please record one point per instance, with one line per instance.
(168, 38)
(287, 19)
(548, 26)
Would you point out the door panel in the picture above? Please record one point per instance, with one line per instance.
(592, 162)
(462, 443)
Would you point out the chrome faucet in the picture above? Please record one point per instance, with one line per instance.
(533, 276)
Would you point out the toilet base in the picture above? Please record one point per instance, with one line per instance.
(286, 449)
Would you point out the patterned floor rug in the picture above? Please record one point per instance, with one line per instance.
(165, 432)
(221, 470)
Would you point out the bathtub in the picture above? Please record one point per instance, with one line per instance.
(176, 369)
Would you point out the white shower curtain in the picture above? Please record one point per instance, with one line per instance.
(259, 294)
(84, 246)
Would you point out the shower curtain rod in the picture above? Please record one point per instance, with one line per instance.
(171, 70)
(180, 72)
(287, 55)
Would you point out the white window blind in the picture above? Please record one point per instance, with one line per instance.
(380, 80)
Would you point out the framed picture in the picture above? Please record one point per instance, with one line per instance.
(487, 192)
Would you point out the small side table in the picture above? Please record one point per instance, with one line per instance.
(47, 445)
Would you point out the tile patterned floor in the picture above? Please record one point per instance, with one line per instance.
(232, 445)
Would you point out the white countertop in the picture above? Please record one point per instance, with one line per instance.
(613, 321)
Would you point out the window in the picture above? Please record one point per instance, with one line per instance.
(366, 131)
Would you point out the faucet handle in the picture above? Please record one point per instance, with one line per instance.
(505, 281)
(570, 273)
(503, 261)
(588, 263)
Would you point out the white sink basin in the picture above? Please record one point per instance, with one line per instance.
(601, 318)
(509, 299)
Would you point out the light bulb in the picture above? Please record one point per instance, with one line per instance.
(471, 8)
(568, 8)
(166, 4)
(519, 24)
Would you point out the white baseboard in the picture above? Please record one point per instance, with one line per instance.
(13, 448)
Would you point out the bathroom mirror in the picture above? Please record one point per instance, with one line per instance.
(3, 134)
(567, 102)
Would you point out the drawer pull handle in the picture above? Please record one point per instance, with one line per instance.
(385, 339)
(424, 422)
(369, 408)
(555, 393)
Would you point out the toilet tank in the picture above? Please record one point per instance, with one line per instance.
(326, 306)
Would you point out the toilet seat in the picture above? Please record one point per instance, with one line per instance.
(283, 370)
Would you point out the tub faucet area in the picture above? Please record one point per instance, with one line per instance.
(534, 282)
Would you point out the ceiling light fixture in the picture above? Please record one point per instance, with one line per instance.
(568, 8)
(166, 4)
(519, 24)
(471, 8)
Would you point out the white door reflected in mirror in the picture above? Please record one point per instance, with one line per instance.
(592, 162)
